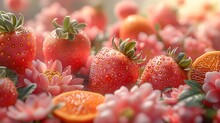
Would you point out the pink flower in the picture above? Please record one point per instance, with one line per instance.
(47, 14)
(181, 113)
(52, 77)
(171, 97)
(125, 8)
(34, 108)
(195, 48)
(172, 37)
(210, 30)
(139, 105)
(163, 15)
(211, 88)
(149, 46)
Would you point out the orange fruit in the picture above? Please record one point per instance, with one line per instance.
(80, 106)
(207, 62)
(132, 25)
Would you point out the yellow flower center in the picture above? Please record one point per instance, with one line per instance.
(50, 74)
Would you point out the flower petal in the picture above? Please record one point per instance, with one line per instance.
(211, 76)
(142, 118)
(65, 88)
(57, 66)
(41, 67)
(76, 81)
(65, 80)
(55, 80)
(67, 71)
(54, 90)
(217, 83)
(212, 96)
(40, 113)
(28, 73)
(43, 82)
(208, 86)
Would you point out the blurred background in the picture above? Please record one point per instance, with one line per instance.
(35, 6)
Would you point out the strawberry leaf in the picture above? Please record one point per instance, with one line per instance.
(4, 72)
(193, 96)
(24, 92)
(66, 23)
(193, 84)
(68, 29)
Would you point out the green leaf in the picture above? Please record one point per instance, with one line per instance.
(130, 46)
(65, 35)
(2, 29)
(9, 25)
(71, 37)
(24, 92)
(80, 26)
(122, 47)
(185, 63)
(13, 19)
(193, 96)
(73, 23)
(131, 53)
(113, 44)
(180, 57)
(193, 84)
(66, 23)
(20, 22)
(3, 25)
(5, 16)
(12, 75)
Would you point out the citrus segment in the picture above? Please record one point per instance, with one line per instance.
(80, 106)
(207, 62)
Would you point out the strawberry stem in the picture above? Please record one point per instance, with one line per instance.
(128, 48)
(69, 28)
(181, 59)
(9, 22)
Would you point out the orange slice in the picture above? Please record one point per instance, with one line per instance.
(80, 106)
(207, 62)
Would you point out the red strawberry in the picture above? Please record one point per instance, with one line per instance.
(166, 71)
(8, 91)
(17, 44)
(67, 44)
(113, 68)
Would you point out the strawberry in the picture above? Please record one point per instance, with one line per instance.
(67, 44)
(17, 44)
(8, 91)
(114, 67)
(166, 71)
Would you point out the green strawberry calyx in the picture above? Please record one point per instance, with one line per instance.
(128, 48)
(181, 58)
(9, 22)
(69, 28)
(8, 73)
